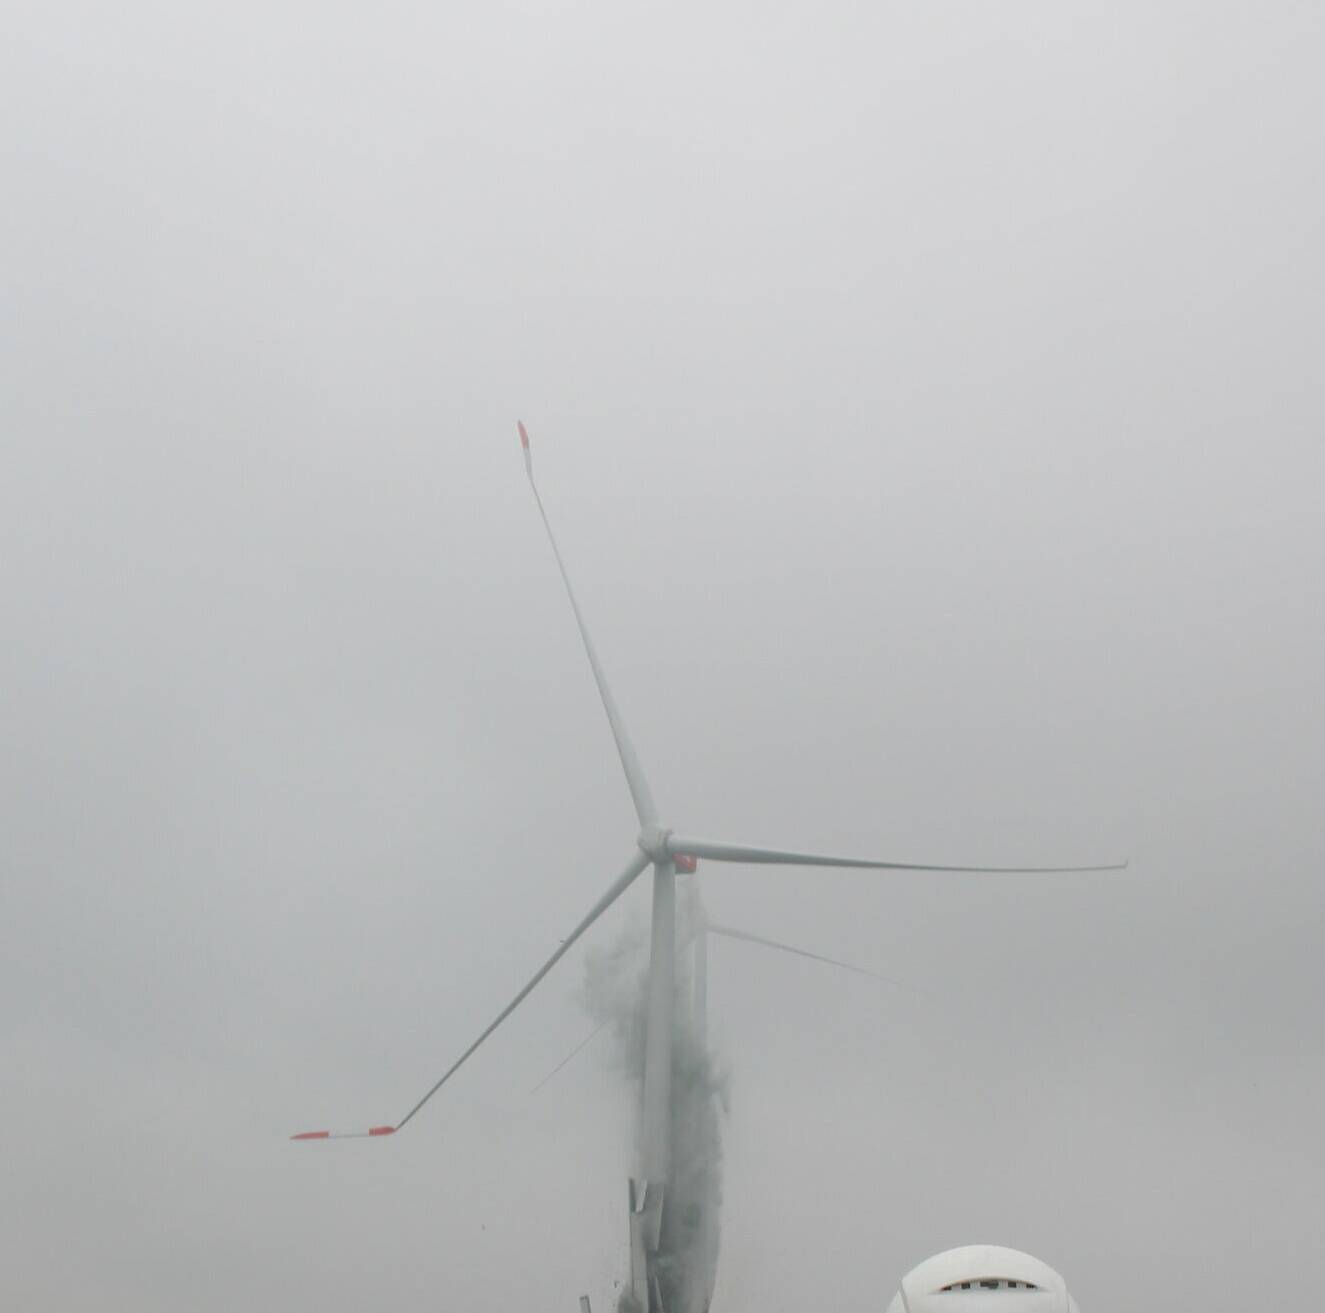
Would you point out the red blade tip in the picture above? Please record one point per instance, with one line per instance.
(524, 436)
(370, 1133)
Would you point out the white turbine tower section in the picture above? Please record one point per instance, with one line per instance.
(656, 1290)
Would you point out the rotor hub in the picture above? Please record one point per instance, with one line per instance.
(653, 842)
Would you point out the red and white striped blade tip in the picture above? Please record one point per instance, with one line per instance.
(371, 1132)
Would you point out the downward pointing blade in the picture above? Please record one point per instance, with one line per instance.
(639, 786)
(574, 1053)
(726, 932)
(717, 850)
(618, 887)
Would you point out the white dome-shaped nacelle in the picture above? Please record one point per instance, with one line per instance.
(982, 1279)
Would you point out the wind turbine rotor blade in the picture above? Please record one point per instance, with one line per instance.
(727, 932)
(371, 1133)
(574, 1053)
(716, 850)
(638, 784)
(618, 887)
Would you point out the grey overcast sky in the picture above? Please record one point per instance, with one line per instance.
(929, 400)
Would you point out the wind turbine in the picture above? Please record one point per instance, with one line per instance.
(668, 851)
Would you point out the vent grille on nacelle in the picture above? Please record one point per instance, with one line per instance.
(991, 1283)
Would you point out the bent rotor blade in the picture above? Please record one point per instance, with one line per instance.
(619, 886)
(716, 850)
(639, 786)
(728, 933)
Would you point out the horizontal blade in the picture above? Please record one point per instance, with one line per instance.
(630, 763)
(715, 850)
(619, 886)
(728, 933)
(369, 1134)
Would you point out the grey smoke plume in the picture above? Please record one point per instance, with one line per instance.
(688, 1252)
(614, 994)
(614, 991)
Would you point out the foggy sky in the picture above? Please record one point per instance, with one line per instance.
(928, 401)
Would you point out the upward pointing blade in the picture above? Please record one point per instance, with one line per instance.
(715, 850)
(639, 786)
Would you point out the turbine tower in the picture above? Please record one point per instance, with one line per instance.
(692, 1247)
(656, 1287)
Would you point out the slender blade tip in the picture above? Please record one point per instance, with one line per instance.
(524, 447)
(371, 1133)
